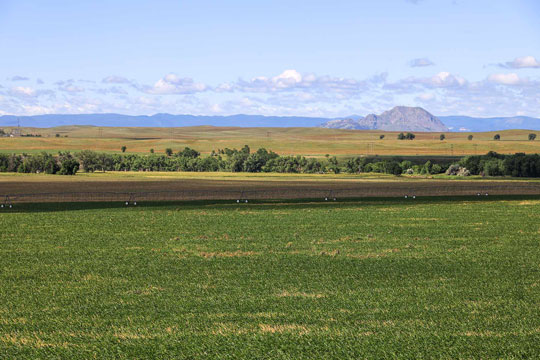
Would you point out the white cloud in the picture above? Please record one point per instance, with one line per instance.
(445, 79)
(426, 96)
(440, 80)
(421, 62)
(28, 93)
(290, 92)
(113, 79)
(288, 78)
(71, 88)
(292, 80)
(22, 91)
(112, 90)
(522, 62)
(506, 79)
(18, 78)
(173, 84)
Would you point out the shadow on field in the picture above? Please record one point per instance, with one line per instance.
(258, 204)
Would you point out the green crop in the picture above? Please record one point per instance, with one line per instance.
(379, 278)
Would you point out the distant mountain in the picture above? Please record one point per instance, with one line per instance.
(400, 118)
(160, 120)
(467, 123)
(348, 124)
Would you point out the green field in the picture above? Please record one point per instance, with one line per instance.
(380, 278)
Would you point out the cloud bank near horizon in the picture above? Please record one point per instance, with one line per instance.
(291, 92)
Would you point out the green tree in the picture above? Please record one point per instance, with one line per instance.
(334, 165)
(68, 164)
(427, 168)
(188, 153)
(470, 137)
(151, 151)
(381, 136)
(89, 160)
(168, 151)
(532, 137)
(497, 137)
(442, 137)
(245, 150)
(124, 148)
(392, 167)
(494, 167)
(436, 169)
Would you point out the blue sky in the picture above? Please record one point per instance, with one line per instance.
(313, 58)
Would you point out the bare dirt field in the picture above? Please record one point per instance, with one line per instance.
(122, 187)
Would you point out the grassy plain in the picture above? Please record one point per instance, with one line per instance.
(285, 141)
(379, 278)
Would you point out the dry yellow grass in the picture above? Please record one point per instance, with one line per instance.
(285, 141)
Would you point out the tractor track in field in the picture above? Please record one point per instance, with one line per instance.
(205, 189)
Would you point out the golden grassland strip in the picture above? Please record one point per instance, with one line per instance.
(284, 141)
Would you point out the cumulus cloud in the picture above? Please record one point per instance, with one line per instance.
(506, 79)
(112, 90)
(426, 97)
(173, 84)
(442, 79)
(421, 62)
(114, 79)
(446, 79)
(292, 80)
(522, 63)
(290, 92)
(26, 92)
(22, 91)
(71, 88)
(18, 78)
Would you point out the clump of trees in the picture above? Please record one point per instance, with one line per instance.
(262, 160)
(407, 136)
(442, 137)
(532, 137)
(64, 163)
(494, 164)
(497, 137)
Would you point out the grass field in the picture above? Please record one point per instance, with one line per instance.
(285, 141)
(377, 278)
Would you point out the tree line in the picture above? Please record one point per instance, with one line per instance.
(262, 160)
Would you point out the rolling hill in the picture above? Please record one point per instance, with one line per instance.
(400, 118)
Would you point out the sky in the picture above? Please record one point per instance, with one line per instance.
(271, 57)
